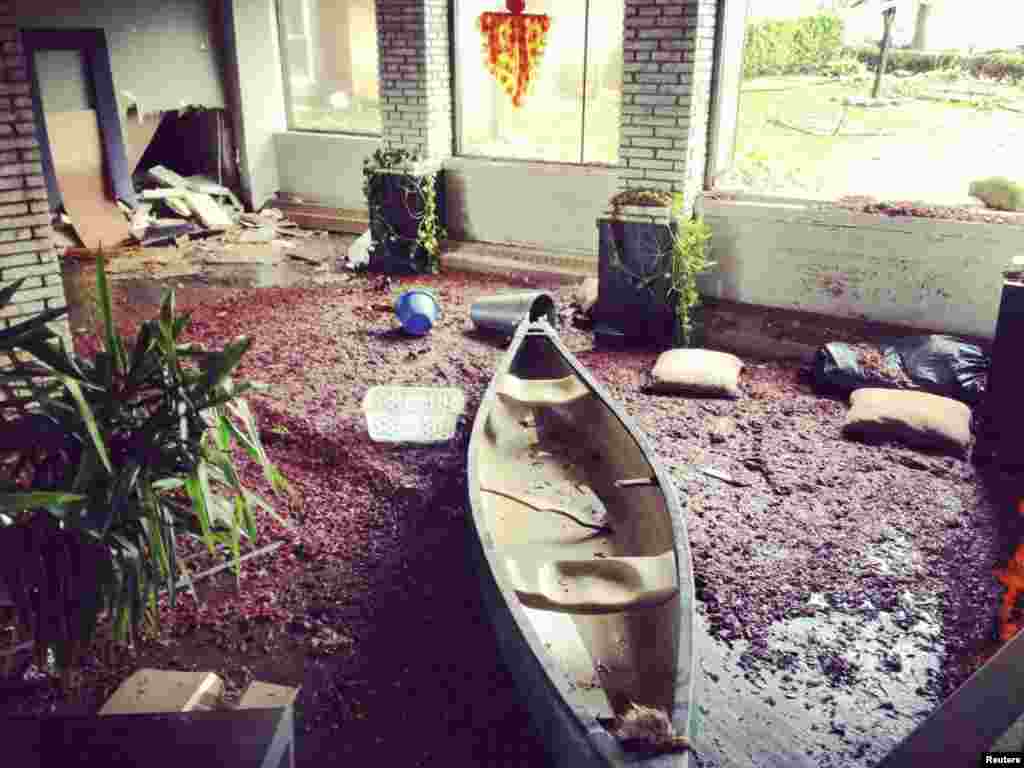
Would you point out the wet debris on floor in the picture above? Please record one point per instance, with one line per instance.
(843, 589)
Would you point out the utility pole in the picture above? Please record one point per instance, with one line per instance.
(888, 14)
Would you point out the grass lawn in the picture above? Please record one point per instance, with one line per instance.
(931, 150)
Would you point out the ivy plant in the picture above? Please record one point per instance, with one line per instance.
(425, 248)
(673, 278)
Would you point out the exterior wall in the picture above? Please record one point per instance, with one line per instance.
(919, 273)
(415, 75)
(163, 52)
(326, 168)
(256, 90)
(26, 238)
(545, 206)
(668, 50)
(668, 59)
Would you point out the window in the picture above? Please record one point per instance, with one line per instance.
(559, 121)
(809, 126)
(329, 52)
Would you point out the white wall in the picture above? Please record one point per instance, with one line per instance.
(257, 91)
(325, 168)
(921, 273)
(552, 207)
(162, 51)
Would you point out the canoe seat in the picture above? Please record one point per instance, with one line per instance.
(536, 392)
(597, 585)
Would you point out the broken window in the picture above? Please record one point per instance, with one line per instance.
(329, 54)
(559, 120)
(815, 121)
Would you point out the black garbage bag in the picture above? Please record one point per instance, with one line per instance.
(942, 365)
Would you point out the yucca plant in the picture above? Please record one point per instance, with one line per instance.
(119, 456)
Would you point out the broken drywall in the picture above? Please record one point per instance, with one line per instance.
(162, 52)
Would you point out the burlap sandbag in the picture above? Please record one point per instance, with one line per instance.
(697, 372)
(918, 419)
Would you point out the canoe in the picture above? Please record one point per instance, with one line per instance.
(584, 562)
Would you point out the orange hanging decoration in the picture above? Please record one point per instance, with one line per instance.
(513, 47)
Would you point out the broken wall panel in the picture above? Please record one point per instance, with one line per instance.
(188, 144)
(77, 151)
(162, 52)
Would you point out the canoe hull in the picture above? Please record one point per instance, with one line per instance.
(571, 732)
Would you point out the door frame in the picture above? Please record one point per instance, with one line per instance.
(93, 45)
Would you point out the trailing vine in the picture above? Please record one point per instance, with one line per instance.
(424, 249)
(676, 268)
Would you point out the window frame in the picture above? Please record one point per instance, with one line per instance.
(312, 57)
(460, 151)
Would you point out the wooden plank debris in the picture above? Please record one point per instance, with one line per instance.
(209, 213)
(166, 177)
(179, 206)
(77, 151)
(267, 696)
(162, 690)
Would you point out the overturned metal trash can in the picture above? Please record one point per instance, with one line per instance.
(503, 313)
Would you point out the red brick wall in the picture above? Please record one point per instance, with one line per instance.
(26, 238)
(668, 50)
(415, 75)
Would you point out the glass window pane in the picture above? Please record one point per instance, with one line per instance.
(548, 126)
(330, 49)
(604, 81)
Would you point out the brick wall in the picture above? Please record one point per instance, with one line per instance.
(668, 49)
(415, 75)
(26, 238)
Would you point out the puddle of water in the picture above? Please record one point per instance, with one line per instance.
(790, 713)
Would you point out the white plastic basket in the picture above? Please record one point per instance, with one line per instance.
(423, 415)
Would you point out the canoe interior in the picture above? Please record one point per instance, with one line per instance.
(570, 452)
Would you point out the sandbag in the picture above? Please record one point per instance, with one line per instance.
(941, 365)
(696, 371)
(919, 419)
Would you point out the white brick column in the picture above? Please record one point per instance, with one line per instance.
(26, 237)
(415, 75)
(668, 49)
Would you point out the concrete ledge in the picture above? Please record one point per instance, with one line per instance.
(905, 271)
(491, 258)
(772, 333)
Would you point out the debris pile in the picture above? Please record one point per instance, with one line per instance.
(201, 222)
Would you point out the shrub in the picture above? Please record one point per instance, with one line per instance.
(844, 66)
(791, 47)
(909, 61)
(998, 65)
(116, 457)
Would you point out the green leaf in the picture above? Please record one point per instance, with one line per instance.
(219, 365)
(180, 324)
(20, 502)
(234, 542)
(144, 342)
(198, 490)
(168, 484)
(115, 347)
(243, 513)
(90, 420)
(7, 293)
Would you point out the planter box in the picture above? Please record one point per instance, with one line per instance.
(793, 254)
(400, 210)
(637, 312)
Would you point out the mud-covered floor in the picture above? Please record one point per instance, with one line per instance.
(843, 588)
